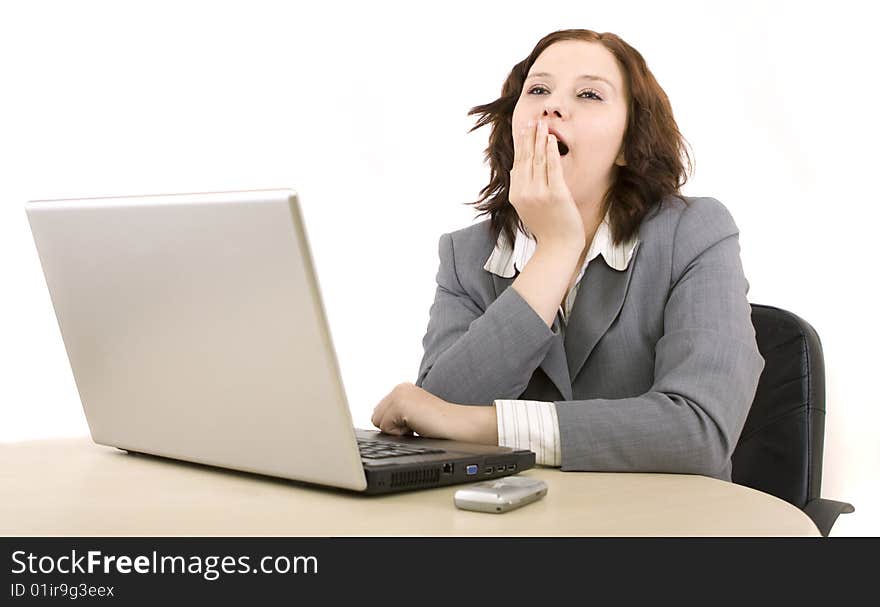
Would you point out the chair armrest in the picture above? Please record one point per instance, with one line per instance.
(824, 512)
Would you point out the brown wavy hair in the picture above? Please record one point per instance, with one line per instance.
(653, 146)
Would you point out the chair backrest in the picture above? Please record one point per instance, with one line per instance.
(780, 449)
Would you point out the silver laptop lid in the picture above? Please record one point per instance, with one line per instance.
(195, 329)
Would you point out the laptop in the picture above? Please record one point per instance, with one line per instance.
(195, 330)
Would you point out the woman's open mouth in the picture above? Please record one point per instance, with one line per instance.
(563, 149)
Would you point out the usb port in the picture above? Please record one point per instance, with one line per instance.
(471, 469)
(511, 467)
(489, 470)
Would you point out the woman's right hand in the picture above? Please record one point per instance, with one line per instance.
(538, 190)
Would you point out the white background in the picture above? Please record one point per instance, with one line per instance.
(362, 108)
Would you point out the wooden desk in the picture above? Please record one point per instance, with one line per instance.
(73, 487)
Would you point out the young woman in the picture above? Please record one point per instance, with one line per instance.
(598, 318)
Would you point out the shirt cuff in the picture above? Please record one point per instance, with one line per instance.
(532, 425)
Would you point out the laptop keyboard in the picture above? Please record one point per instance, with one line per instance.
(374, 449)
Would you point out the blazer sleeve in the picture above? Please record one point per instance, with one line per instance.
(474, 356)
(706, 367)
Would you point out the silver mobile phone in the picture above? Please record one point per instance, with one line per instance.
(500, 495)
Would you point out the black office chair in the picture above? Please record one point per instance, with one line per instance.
(780, 449)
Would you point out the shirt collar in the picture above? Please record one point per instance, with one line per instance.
(505, 261)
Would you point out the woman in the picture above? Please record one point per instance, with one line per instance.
(599, 317)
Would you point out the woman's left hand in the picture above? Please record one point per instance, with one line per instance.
(408, 408)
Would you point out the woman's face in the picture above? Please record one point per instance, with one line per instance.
(590, 114)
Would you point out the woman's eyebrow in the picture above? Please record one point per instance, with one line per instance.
(581, 77)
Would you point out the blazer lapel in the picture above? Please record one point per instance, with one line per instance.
(598, 302)
(554, 363)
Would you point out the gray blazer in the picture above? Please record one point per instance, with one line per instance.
(657, 367)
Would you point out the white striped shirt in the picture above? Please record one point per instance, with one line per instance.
(532, 424)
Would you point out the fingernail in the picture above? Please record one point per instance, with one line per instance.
(531, 123)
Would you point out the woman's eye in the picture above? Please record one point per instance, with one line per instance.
(593, 93)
